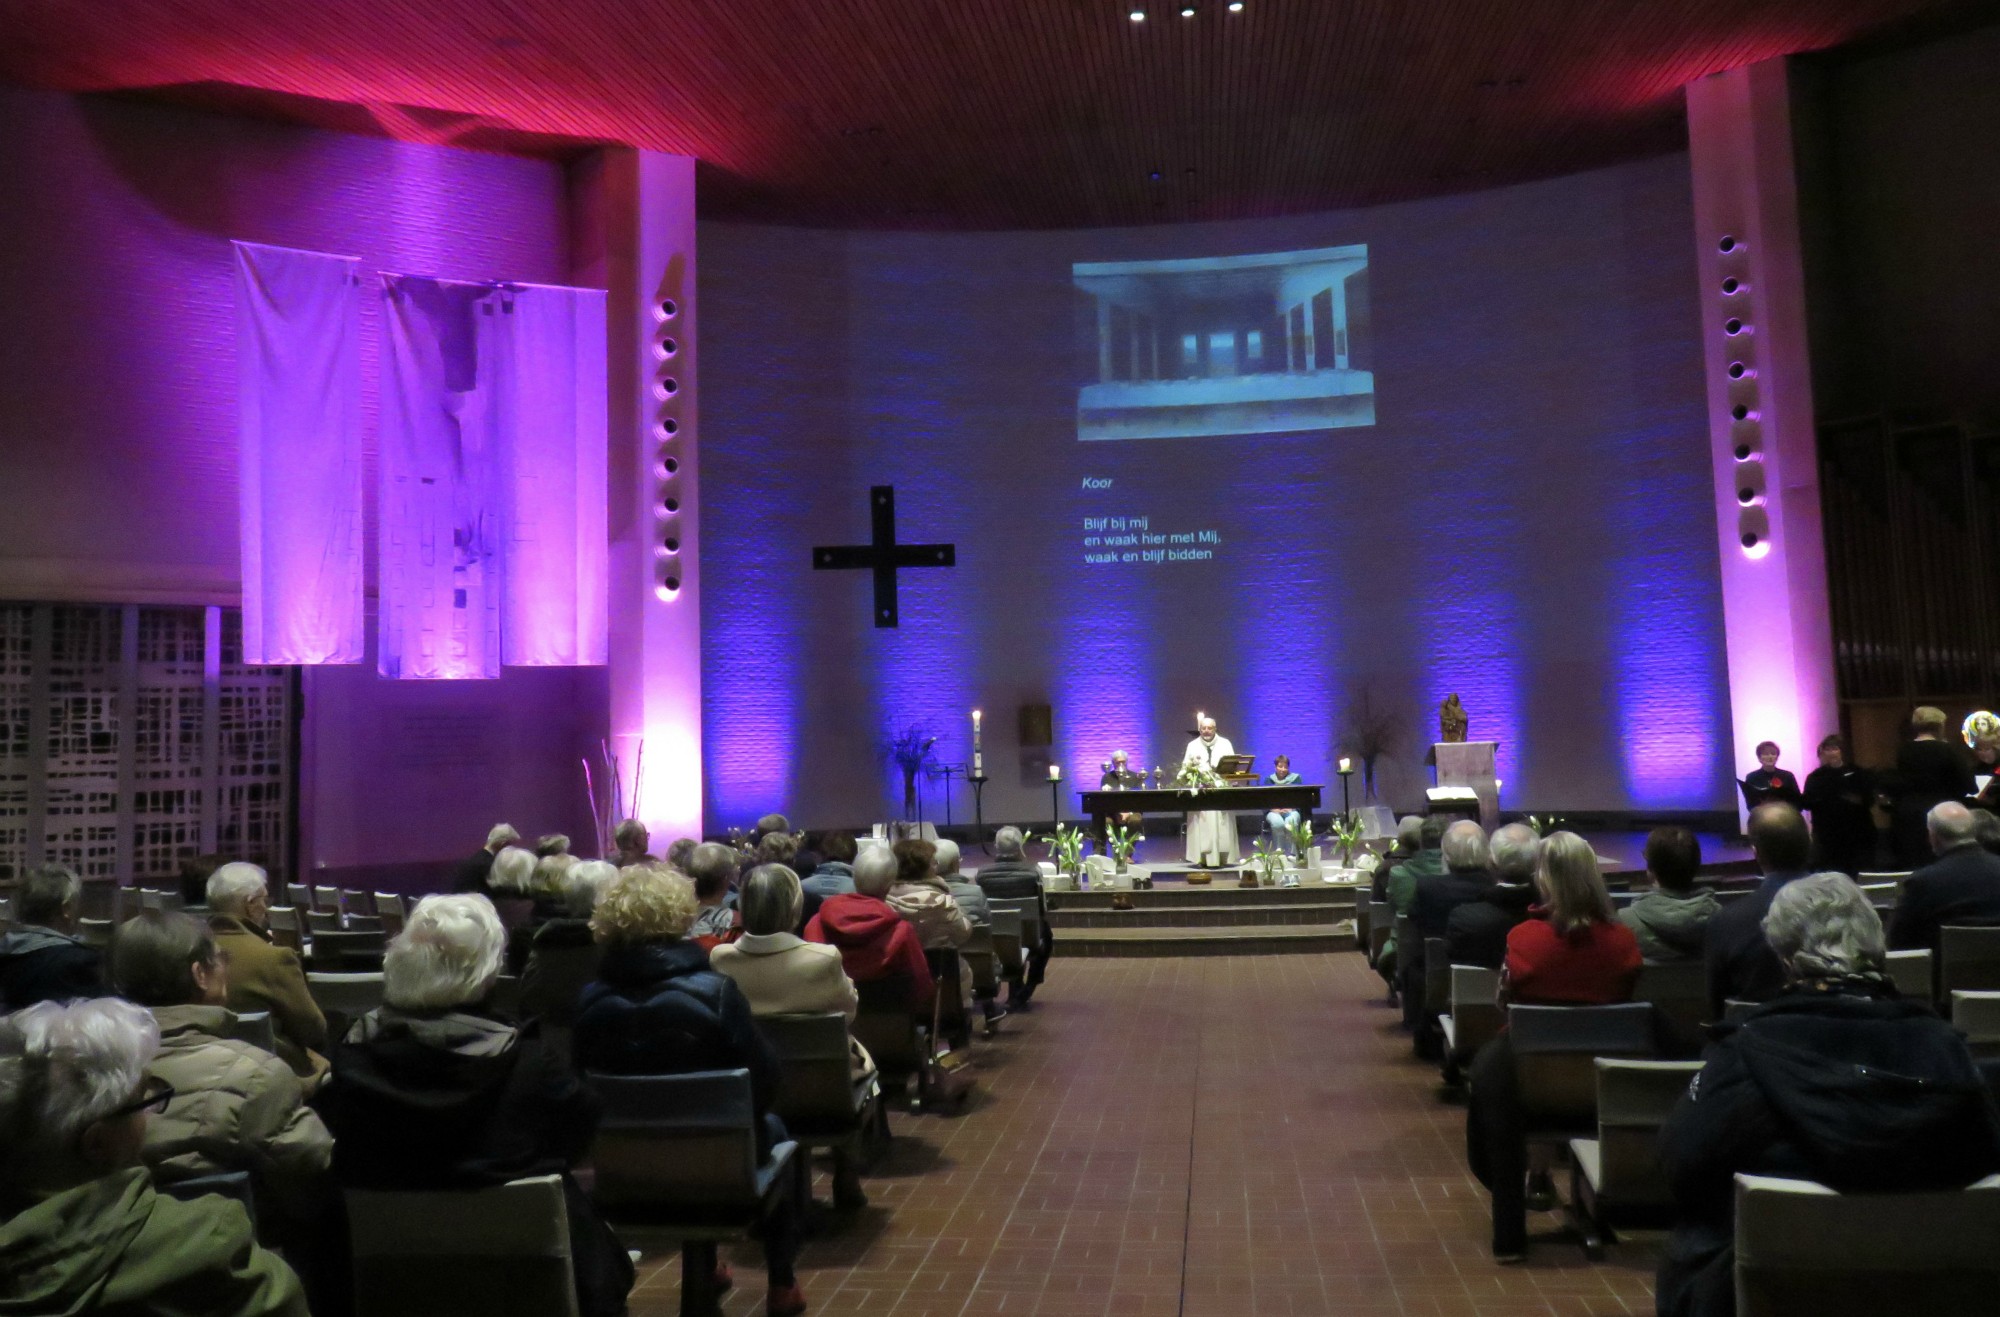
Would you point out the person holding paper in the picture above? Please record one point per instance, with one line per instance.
(1211, 833)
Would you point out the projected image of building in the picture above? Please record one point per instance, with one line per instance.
(1265, 344)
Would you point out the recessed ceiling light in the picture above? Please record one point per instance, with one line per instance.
(1187, 11)
(1235, 6)
(1137, 15)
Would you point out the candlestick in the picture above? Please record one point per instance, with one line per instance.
(1347, 765)
(978, 759)
(1055, 772)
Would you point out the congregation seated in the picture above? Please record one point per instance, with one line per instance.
(632, 843)
(262, 975)
(785, 849)
(1475, 933)
(432, 1091)
(807, 851)
(1836, 1080)
(834, 875)
(1409, 840)
(921, 897)
(1401, 885)
(876, 944)
(235, 1107)
(511, 887)
(680, 853)
(1671, 921)
(1014, 877)
(658, 1007)
(1571, 952)
(1960, 886)
(1740, 962)
(971, 898)
(42, 959)
(472, 873)
(550, 887)
(1465, 879)
(82, 1228)
(563, 954)
(713, 867)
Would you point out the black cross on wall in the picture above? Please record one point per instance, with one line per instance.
(884, 556)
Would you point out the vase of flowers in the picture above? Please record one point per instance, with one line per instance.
(1066, 851)
(1196, 777)
(1121, 841)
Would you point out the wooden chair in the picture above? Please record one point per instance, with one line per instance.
(299, 895)
(1437, 978)
(1008, 954)
(1891, 880)
(1475, 1017)
(344, 998)
(983, 968)
(821, 1101)
(1556, 1049)
(1381, 923)
(324, 921)
(346, 953)
(326, 898)
(1803, 1250)
(1977, 1015)
(390, 910)
(1678, 991)
(1618, 1174)
(282, 923)
(1914, 973)
(94, 932)
(889, 1032)
(679, 1152)
(1031, 916)
(1968, 960)
(254, 1028)
(498, 1252)
(356, 902)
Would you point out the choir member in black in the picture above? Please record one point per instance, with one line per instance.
(1838, 796)
(1769, 782)
(1929, 770)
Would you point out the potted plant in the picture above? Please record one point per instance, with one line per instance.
(1303, 834)
(1196, 777)
(910, 750)
(1270, 862)
(1066, 850)
(1121, 841)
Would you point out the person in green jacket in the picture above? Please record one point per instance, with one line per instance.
(1428, 862)
(84, 1230)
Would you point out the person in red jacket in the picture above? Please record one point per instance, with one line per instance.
(876, 943)
(1572, 951)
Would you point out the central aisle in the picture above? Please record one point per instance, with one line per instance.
(1186, 1138)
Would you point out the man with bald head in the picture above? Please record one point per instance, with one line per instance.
(1741, 963)
(1961, 886)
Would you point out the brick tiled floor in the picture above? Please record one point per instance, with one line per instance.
(1186, 1138)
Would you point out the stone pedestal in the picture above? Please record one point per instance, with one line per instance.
(1469, 764)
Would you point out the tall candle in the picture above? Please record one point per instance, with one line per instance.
(978, 759)
(1347, 765)
(1055, 772)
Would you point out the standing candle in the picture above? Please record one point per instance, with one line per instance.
(1347, 765)
(978, 759)
(1055, 772)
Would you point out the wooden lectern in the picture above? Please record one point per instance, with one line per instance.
(1470, 764)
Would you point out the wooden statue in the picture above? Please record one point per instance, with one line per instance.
(1451, 720)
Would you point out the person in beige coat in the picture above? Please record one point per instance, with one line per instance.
(921, 897)
(262, 975)
(783, 974)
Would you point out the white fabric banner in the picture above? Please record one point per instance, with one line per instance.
(494, 438)
(298, 317)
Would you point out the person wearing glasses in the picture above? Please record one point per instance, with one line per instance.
(81, 1226)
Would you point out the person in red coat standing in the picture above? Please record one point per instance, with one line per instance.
(876, 943)
(1572, 951)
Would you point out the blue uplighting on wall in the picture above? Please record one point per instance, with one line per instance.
(1468, 631)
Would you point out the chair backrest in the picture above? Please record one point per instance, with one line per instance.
(339, 951)
(1803, 1250)
(1025, 907)
(676, 1141)
(1555, 1053)
(350, 994)
(299, 894)
(1381, 923)
(500, 1252)
(254, 1028)
(1634, 1099)
(357, 902)
(282, 922)
(817, 1095)
(980, 958)
(1968, 960)
(389, 909)
(1475, 1009)
(1437, 977)
(1895, 880)
(324, 921)
(1735, 1008)
(94, 932)
(1401, 923)
(233, 1185)
(1914, 973)
(1977, 1016)
(885, 1026)
(1678, 991)
(326, 898)
(1881, 894)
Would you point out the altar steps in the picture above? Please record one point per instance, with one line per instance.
(1216, 919)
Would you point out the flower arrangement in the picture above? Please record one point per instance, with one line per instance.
(1303, 836)
(1270, 861)
(1196, 777)
(1345, 834)
(1121, 841)
(1544, 824)
(910, 750)
(1066, 848)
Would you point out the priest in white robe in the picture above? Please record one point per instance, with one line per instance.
(1211, 833)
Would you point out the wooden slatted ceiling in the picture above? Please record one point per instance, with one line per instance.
(967, 113)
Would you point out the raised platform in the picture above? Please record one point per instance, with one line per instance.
(1217, 919)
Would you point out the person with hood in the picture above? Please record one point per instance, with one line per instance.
(921, 897)
(1401, 886)
(82, 1230)
(1476, 933)
(659, 1008)
(1838, 1080)
(432, 1091)
(1671, 921)
(563, 955)
(876, 944)
(42, 960)
(264, 976)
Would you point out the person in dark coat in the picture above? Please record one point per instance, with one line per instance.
(1929, 771)
(470, 873)
(1839, 796)
(42, 959)
(432, 1091)
(1476, 933)
(1961, 886)
(1014, 877)
(1837, 1080)
(1465, 879)
(658, 1008)
(1768, 782)
(1740, 963)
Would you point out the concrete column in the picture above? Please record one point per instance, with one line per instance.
(633, 234)
(1763, 447)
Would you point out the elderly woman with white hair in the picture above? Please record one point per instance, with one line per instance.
(81, 1227)
(1839, 1080)
(264, 976)
(432, 1091)
(562, 957)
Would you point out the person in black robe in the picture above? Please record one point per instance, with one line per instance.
(1838, 796)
